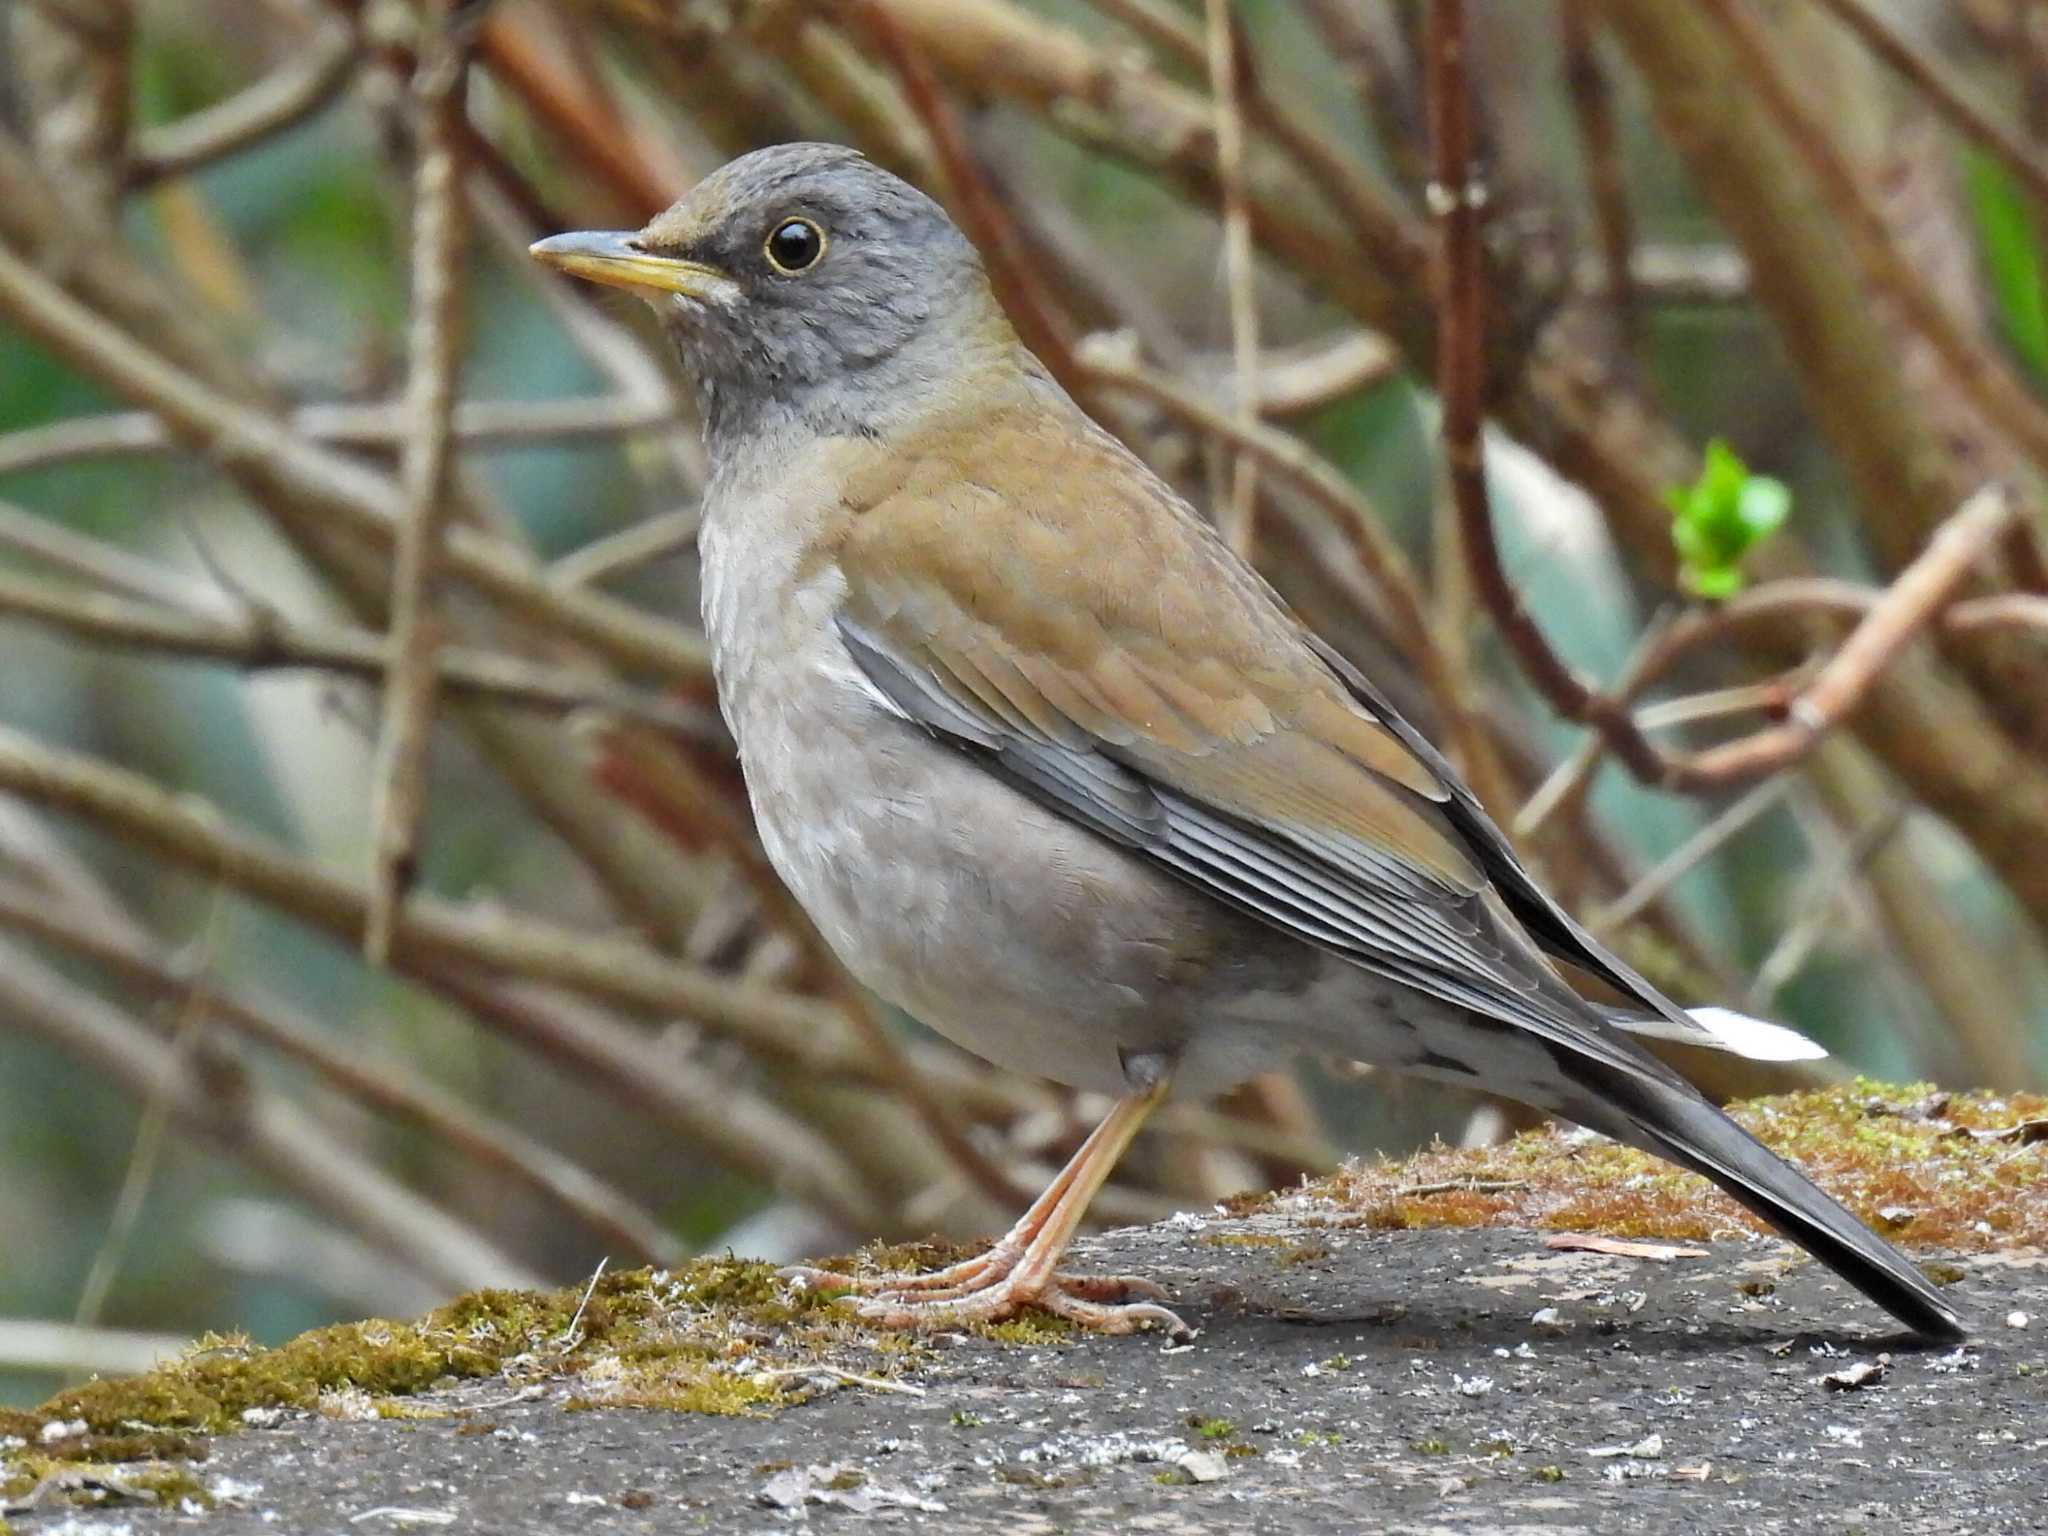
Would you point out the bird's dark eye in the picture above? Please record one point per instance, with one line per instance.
(795, 245)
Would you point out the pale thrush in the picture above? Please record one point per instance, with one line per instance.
(1056, 772)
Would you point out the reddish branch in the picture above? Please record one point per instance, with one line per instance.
(1037, 317)
(637, 168)
(1457, 198)
(1918, 594)
(1600, 146)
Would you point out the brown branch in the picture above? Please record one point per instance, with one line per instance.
(1600, 149)
(1380, 77)
(652, 538)
(1458, 199)
(440, 231)
(265, 641)
(43, 541)
(1046, 331)
(428, 931)
(477, 424)
(714, 1114)
(1378, 223)
(639, 169)
(1997, 393)
(279, 467)
(1299, 381)
(450, 946)
(1907, 607)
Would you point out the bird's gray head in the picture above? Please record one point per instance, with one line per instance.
(806, 289)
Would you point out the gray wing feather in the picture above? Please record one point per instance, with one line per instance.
(1353, 902)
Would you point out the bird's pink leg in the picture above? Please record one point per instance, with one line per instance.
(1020, 1270)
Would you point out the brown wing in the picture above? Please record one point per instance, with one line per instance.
(1187, 716)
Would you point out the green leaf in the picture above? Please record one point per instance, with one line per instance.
(1718, 519)
(2009, 238)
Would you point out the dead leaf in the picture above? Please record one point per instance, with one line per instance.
(1853, 1378)
(1622, 1248)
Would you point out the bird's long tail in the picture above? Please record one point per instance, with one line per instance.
(1675, 1122)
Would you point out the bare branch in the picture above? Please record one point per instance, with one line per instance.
(265, 641)
(1600, 148)
(264, 455)
(477, 424)
(399, 774)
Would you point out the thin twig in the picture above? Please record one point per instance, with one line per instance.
(261, 641)
(452, 947)
(1816, 907)
(1689, 855)
(650, 539)
(1239, 511)
(640, 168)
(428, 931)
(1600, 149)
(281, 468)
(46, 542)
(1039, 322)
(850, 1378)
(478, 424)
(147, 1150)
(440, 230)
(1565, 788)
(1381, 77)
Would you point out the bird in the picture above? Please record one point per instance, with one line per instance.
(1055, 771)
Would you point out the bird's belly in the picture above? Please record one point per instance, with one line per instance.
(1014, 932)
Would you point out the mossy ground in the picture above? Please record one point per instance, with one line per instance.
(1966, 1172)
(715, 1336)
(1961, 1172)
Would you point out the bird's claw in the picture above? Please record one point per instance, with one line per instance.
(994, 1288)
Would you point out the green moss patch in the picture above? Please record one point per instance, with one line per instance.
(715, 1336)
(1966, 1172)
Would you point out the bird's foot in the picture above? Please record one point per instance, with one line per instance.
(995, 1286)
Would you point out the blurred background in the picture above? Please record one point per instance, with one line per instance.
(320, 998)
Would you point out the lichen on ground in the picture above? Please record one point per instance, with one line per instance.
(1926, 1167)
